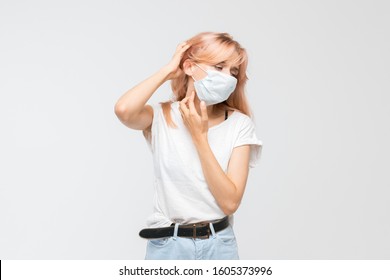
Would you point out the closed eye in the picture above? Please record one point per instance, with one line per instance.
(233, 73)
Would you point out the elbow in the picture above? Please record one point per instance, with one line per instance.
(124, 113)
(120, 110)
(230, 208)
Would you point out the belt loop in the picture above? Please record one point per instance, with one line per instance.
(212, 230)
(175, 231)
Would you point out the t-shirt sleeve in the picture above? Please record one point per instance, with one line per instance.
(247, 136)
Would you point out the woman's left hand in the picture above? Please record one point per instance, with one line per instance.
(197, 125)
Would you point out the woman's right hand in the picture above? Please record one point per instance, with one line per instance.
(173, 66)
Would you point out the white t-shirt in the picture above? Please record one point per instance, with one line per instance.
(181, 192)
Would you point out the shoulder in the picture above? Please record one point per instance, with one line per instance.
(243, 119)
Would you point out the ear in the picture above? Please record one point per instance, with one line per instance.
(188, 67)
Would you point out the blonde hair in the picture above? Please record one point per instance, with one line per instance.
(212, 48)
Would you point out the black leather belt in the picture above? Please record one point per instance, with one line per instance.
(197, 230)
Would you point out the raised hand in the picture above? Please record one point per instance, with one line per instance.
(173, 65)
(196, 124)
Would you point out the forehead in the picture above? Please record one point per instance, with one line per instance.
(229, 57)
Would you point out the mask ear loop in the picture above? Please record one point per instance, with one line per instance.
(193, 77)
(200, 68)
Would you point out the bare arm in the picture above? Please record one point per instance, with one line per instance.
(227, 189)
(131, 108)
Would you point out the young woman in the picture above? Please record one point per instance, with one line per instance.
(203, 143)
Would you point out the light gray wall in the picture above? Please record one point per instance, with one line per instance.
(77, 184)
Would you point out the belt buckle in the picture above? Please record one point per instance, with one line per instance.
(201, 237)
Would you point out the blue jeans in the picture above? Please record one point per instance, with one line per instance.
(219, 246)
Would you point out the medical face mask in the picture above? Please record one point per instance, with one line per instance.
(215, 88)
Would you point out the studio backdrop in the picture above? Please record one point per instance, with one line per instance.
(75, 183)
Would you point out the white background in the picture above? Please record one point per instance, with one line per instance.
(76, 184)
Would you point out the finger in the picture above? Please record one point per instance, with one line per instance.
(181, 44)
(181, 48)
(182, 51)
(185, 101)
(191, 102)
(183, 107)
(181, 111)
(183, 116)
(203, 111)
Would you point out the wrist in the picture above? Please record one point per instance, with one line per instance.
(200, 140)
(168, 71)
(165, 72)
